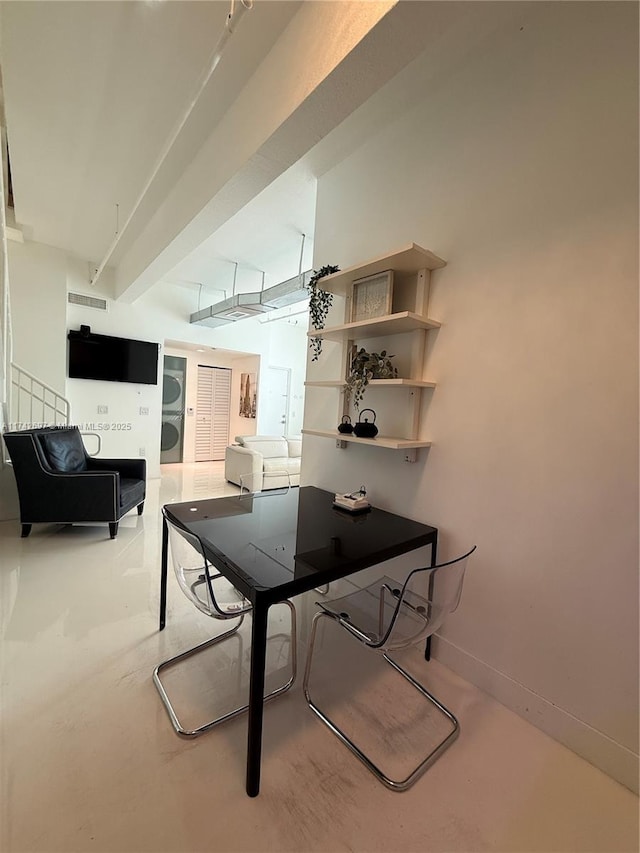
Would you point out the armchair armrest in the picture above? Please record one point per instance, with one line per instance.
(243, 466)
(82, 496)
(135, 469)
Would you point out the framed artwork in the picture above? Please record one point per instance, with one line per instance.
(247, 395)
(372, 296)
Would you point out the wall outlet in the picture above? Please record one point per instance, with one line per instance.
(103, 410)
(144, 410)
(142, 450)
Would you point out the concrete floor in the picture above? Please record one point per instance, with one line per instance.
(89, 760)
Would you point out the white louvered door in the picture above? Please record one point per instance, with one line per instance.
(213, 409)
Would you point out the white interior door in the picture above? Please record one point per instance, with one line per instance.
(274, 401)
(213, 409)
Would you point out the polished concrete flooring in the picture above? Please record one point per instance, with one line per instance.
(89, 761)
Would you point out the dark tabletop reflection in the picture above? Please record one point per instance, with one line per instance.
(295, 539)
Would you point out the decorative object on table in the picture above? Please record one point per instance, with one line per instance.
(319, 303)
(364, 367)
(353, 502)
(364, 429)
(247, 395)
(345, 426)
(372, 296)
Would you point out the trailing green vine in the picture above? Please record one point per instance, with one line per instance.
(320, 302)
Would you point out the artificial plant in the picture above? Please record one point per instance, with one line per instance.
(364, 367)
(319, 303)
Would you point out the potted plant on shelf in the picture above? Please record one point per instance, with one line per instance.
(366, 366)
(319, 303)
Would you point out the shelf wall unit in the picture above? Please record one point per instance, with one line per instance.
(411, 267)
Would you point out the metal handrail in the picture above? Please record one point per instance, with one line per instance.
(27, 392)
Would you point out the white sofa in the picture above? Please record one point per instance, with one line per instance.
(262, 462)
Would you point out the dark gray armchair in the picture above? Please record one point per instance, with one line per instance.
(58, 482)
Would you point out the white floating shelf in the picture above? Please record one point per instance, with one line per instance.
(408, 259)
(379, 441)
(400, 383)
(390, 324)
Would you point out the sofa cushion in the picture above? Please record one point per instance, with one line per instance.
(131, 491)
(282, 464)
(269, 446)
(64, 450)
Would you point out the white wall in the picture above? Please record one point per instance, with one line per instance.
(38, 292)
(521, 170)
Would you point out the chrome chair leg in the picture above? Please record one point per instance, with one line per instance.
(392, 784)
(192, 733)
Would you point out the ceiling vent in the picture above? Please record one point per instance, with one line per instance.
(287, 292)
(238, 307)
(243, 305)
(96, 302)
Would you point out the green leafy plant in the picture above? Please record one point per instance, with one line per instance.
(319, 303)
(366, 366)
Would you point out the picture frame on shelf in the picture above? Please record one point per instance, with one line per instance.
(372, 296)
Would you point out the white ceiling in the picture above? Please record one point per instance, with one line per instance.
(94, 89)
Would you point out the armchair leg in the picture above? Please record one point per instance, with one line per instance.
(140, 508)
(113, 529)
(26, 530)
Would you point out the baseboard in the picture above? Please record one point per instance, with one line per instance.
(594, 746)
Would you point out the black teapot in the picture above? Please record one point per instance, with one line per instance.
(364, 429)
(345, 426)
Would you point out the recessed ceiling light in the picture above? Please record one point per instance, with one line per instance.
(201, 350)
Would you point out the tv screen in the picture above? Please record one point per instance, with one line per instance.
(112, 359)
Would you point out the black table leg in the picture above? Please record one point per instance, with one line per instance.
(434, 562)
(163, 573)
(256, 697)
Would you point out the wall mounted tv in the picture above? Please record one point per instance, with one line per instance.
(112, 359)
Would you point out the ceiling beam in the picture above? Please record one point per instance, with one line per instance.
(328, 61)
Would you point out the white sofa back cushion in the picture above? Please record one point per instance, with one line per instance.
(268, 445)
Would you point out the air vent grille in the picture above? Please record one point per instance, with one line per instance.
(87, 301)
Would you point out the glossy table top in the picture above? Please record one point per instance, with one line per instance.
(281, 543)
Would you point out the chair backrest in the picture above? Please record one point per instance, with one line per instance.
(411, 612)
(195, 575)
(58, 449)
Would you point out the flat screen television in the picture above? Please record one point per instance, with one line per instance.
(112, 359)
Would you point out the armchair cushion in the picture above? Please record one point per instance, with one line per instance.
(131, 492)
(64, 451)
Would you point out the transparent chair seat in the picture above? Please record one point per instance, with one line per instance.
(373, 615)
